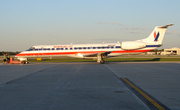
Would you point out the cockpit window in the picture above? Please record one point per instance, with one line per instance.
(31, 49)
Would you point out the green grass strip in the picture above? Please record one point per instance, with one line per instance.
(106, 59)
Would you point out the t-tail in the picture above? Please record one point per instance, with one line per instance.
(157, 35)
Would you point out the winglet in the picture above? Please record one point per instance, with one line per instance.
(166, 26)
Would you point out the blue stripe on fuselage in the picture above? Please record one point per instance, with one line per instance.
(152, 45)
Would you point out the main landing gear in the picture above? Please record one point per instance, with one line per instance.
(24, 62)
(100, 59)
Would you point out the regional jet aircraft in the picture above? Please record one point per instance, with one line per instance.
(98, 51)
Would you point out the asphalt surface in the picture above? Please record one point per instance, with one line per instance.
(79, 86)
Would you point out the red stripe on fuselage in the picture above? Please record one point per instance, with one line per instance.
(74, 53)
(57, 53)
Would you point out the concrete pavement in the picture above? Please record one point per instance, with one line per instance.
(51, 86)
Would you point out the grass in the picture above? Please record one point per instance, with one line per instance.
(62, 60)
(106, 59)
(113, 59)
(142, 59)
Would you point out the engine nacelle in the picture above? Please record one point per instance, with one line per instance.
(131, 45)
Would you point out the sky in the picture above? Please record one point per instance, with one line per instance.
(24, 23)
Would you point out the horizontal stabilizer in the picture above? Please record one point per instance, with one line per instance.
(166, 26)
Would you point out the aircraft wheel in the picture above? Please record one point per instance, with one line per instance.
(25, 62)
(102, 62)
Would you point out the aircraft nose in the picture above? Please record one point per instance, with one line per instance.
(17, 55)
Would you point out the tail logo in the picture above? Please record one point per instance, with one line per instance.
(156, 36)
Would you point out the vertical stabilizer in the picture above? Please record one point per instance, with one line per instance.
(157, 35)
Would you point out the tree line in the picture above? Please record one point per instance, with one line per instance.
(11, 53)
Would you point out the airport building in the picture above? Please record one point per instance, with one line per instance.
(172, 51)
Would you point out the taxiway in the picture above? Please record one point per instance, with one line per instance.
(51, 86)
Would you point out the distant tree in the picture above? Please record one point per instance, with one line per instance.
(156, 50)
(11, 53)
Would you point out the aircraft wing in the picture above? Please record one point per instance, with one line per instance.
(96, 54)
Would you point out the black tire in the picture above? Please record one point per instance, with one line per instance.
(102, 62)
